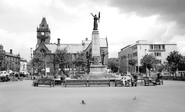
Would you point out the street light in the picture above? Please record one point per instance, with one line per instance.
(127, 63)
(145, 64)
(31, 64)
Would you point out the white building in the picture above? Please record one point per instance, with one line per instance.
(138, 50)
(23, 66)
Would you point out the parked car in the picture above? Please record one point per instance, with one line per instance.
(4, 78)
(3, 73)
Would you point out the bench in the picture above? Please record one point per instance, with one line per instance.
(44, 81)
(58, 82)
(99, 82)
(149, 80)
(159, 82)
(75, 82)
(118, 82)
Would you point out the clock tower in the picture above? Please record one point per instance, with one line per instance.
(43, 32)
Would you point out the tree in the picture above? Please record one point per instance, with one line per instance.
(159, 67)
(174, 60)
(38, 62)
(80, 61)
(3, 64)
(182, 64)
(148, 61)
(63, 58)
(132, 62)
(113, 64)
(88, 60)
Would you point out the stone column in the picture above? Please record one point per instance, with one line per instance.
(96, 47)
(97, 70)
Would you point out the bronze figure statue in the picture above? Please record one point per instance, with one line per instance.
(95, 21)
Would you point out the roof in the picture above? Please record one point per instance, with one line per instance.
(126, 47)
(43, 25)
(74, 48)
(12, 55)
(143, 42)
(71, 48)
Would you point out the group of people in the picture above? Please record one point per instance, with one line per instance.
(129, 80)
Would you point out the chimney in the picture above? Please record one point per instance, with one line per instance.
(10, 51)
(58, 41)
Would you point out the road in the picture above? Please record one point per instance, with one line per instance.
(21, 96)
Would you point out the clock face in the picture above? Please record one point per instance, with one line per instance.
(42, 33)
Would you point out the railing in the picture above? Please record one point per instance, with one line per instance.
(180, 75)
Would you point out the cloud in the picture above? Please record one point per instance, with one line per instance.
(169, 22)
(19, 43)
(171, 10)
(168, 11)
(123, 22)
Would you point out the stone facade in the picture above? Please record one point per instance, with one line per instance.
(23, 66)
(8, 60)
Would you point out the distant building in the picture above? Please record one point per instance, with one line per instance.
(45, 47)
(8, 60)
(138, 50)
(23, 66)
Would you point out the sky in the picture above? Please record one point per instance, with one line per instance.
(123, 22)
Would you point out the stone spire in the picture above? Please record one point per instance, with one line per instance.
(43, 32)
(43, 24)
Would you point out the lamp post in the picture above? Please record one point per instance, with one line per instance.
(88, 57)
(31, 62)
(145, 64)
(127, 62)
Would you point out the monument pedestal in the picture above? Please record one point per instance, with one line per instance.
(97, 71)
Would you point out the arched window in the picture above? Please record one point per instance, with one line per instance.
(43, 52)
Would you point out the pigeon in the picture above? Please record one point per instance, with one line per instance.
(134, 98)
(83, 102)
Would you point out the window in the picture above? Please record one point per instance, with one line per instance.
(151, 47)
(158, 61)
(163, 47)
(157, 47)
(157, 53)
(134, 47)
(42, 40)
(135, 54)
(129, 56)
(123, 57)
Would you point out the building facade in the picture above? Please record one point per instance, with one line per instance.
(23, 66)
(138, 50)
(8, 60)
(48, 49)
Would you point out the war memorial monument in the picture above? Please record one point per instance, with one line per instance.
(97, 70)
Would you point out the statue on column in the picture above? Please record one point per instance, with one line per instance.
(96, 21)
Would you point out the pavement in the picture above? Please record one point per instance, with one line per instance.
(21, 96)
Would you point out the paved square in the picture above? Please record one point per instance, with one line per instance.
(21, 96)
